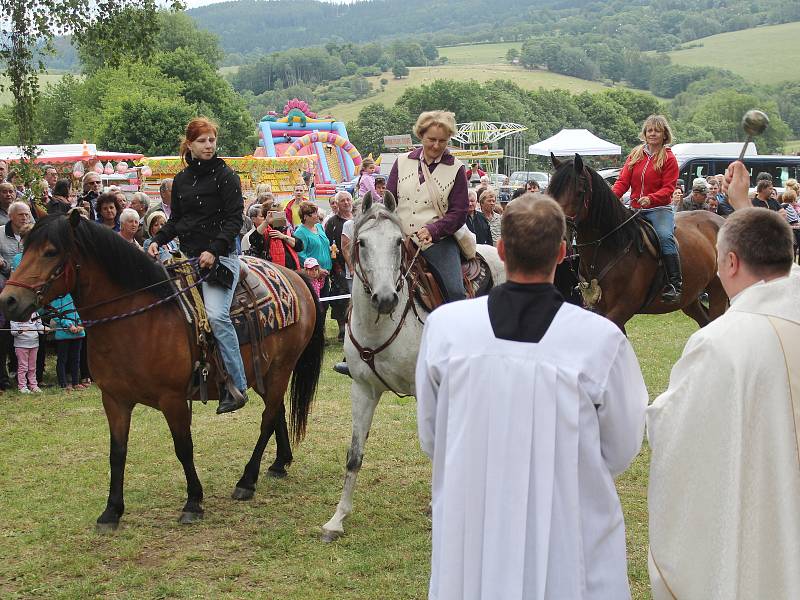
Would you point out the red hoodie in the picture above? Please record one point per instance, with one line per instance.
(645, 180)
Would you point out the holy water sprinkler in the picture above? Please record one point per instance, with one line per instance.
(754, 123)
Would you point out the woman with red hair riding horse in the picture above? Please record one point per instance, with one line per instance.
(207, 214)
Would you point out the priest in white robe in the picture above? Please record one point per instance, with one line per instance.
(724, 497)
(529, 407)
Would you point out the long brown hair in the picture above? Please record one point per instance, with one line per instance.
(637, 154)
(194, 129)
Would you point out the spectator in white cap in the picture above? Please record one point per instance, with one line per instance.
(315, 273)
(698, 200)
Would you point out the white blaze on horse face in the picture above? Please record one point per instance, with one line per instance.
(380, 249)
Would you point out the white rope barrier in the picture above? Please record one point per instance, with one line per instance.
(331, 298)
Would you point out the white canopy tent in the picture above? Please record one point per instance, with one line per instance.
(569, 141)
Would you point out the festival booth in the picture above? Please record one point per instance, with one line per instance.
(301, 133)
(77, 159)
(282, 173)
(568, 142)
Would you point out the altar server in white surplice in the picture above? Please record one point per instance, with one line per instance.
(529, 407)
(724, 496)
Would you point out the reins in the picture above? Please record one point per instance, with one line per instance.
(573, 222)
(67, 267)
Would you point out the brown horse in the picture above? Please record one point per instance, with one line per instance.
(107, 276)
(608, 245)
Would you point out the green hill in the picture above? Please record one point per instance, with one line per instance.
(764, 54)
(480, 72)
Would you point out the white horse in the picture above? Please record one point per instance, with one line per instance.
(382, 312)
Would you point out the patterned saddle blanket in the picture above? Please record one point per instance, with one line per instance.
(262, 289)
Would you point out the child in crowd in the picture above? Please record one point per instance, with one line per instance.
(69, 337)
(315, 273)
(26, 346)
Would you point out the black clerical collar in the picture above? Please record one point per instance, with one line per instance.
(523, 312)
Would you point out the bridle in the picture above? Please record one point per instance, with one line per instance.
(366, 353)
(573, 222)
(67, 268)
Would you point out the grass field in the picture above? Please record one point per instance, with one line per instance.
(478, 54)
(481, 73)
(792, 147)
(764, 55)
(44, 79)
(53, 485)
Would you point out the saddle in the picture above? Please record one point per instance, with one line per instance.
(264, 302)
(427, 288)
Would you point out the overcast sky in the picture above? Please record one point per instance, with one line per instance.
(196, 3)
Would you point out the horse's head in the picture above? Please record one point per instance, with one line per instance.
(377, 252)
(571, 186)
(47, 270)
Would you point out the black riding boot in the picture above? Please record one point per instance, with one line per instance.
(229, 403)
(674, 288)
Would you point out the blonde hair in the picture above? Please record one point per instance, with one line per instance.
(444, 119)
(263, 188)
(792, 184)
(789, 195)
(637, 154)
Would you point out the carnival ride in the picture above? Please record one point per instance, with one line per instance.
(300, 132)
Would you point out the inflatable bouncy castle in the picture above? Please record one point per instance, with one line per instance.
(299, 132)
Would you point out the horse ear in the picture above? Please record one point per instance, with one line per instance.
(578, 163)
(389, 201)
(74, 218)
(555, 161)
(366, 202)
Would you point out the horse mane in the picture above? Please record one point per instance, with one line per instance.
(376, 213)
(605, 213)
(124, 263)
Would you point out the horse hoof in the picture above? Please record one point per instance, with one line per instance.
(327, 536)
(240, 493)
(105, 528)
(187, 518)
(282, 474)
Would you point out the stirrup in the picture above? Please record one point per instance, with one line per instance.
(229, 403)
(670, 294)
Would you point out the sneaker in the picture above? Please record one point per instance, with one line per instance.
(24, 390)
(80, 386)
(36, 389)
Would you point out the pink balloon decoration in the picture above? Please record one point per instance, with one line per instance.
(147, 171)
(109, 169)
(98, 167)
(122, 167)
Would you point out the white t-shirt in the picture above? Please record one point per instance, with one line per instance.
(347, 231)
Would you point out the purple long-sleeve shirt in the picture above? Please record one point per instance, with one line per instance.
(457, 201)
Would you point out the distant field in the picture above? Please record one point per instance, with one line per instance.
(765, 54)
(792, 147)
(529, 80)
(478, 54)
(44, 79)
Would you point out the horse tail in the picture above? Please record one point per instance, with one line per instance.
(305, 375)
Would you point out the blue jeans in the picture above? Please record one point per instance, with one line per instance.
(445, 259)
(663, 221)
(218, 306)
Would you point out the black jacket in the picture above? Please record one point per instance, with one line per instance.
(478, 225)
(206, 208)
(57, 207)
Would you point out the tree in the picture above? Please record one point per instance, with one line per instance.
(26, 38)
(399, 70)
(375, 121)
(512, 55)
(146, 126)
(430, 52)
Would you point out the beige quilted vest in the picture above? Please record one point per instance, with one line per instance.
(415, 207)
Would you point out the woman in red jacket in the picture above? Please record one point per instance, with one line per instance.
(651, 173)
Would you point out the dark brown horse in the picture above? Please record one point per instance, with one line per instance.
(609, 249)
(106, 275)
